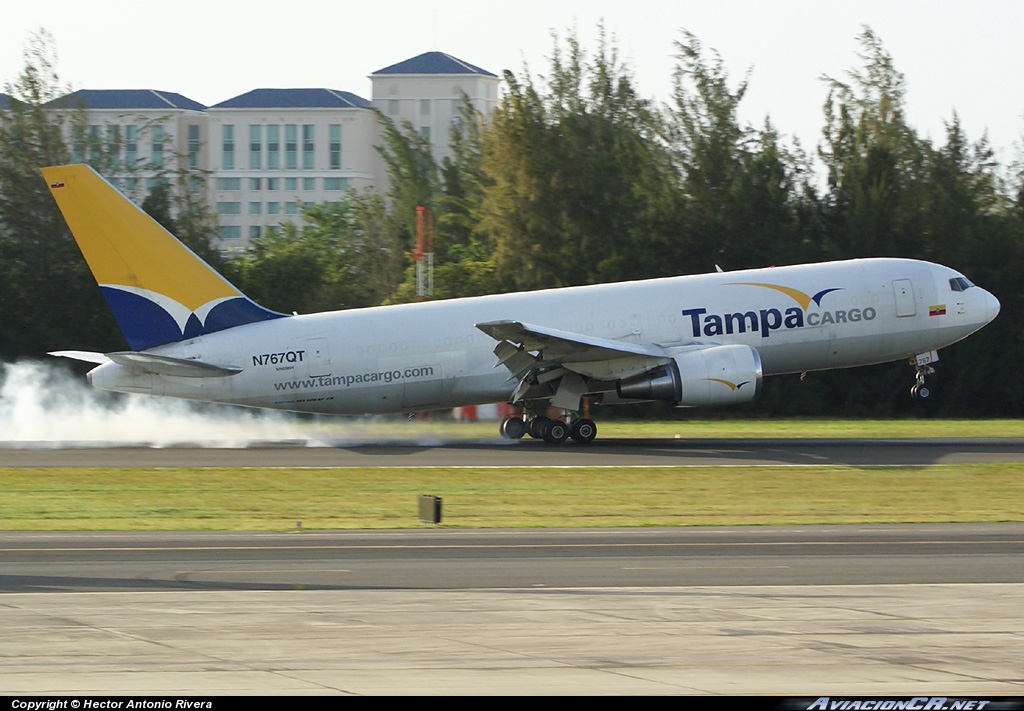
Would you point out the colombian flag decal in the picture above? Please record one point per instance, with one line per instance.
(938, 310)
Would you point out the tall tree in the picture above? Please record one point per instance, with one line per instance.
(343, 255)
(412, 171)
(740, 186)
(47, 294)
(579, 188)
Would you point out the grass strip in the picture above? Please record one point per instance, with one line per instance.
(372, 429)
(384, 497)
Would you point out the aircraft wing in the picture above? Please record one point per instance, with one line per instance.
(565, 346)
(565, 363)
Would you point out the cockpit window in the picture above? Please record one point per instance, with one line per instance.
(960, 284)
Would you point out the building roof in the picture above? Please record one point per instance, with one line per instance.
(128, 99)
(294, 98)
(434, 63)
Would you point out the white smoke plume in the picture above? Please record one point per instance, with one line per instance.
(44, 405)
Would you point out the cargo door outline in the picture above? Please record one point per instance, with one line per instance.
(318, 357)
(903, 291)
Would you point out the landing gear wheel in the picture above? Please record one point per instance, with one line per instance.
(583, 431)
(538, 426)
(512, 428)
(556, 432)
(920, 391)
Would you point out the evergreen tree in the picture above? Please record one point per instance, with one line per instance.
(47, 294)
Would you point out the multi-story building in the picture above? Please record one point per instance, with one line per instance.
(134, 136)
(271, 150)
(427, 92)
(268, 151)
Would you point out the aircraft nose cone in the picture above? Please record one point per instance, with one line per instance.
(991, 306)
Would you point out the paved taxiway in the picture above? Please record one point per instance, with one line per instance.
(851, 610)
(497, 452)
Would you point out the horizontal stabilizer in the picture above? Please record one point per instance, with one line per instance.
(85, 356)
(165, 365)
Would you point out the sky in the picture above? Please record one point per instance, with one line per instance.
(962, 56)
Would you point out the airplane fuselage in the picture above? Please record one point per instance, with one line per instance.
(431, 355)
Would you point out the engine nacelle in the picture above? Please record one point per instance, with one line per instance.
(716, 375)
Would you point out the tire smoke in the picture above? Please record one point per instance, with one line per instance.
(44, 405)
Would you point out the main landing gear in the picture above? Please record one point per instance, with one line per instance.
(551, 431)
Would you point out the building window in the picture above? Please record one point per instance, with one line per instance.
(255, 183)
(157, 147)
(113, 143)
(95, 143)
(335, 148)
(229, 208)
(273, 208)
(193, 146)
(291, 146)
(273, 148)
(273, 183)
(425, 132)
(254, 231)
(229, 183)
(255, 147)
(425, 108)
(131, 145)
(228, 162)
(309, 183)
(291, 208)
(255, 208)
(77, 144)
(229, 232)
(392, 107)
(308, 152)
(291, 184)
(335, 183)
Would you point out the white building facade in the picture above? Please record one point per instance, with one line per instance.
(269, 151)
(272, 150)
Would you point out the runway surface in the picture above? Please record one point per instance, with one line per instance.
(513, 559)
(901, 610)
(497, 452)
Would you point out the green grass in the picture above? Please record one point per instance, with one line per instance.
(386, 497)
(699, 428)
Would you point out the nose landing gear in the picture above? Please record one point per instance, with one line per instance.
(922, 364)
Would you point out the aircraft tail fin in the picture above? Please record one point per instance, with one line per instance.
(159, 290)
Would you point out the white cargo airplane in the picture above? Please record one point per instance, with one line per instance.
(692, 340)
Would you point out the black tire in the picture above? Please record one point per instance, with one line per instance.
(512, 428)
(583, 431)
(556, 432)
(537, 428)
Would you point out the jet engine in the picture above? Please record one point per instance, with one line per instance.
(714, 375)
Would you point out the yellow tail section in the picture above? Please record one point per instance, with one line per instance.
(158, 289)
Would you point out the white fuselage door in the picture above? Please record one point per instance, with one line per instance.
(903, 290)
(318, 356)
